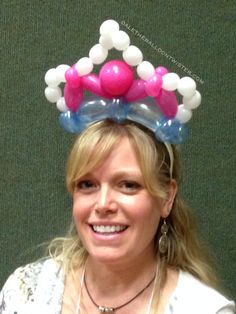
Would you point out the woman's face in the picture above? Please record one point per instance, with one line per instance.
(115, 215)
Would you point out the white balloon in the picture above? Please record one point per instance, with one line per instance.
(61, 105)
(120, 40)
(53, 94)
(183, 114)
(98, 54)
(61, 70)
(84, 66)
(186, 86)
(145, 70)
(51, 78)
(106, 41)
(133, 55)
(170, 81)
(192, 102)
(109, 27)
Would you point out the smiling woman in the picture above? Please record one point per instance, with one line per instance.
(132, 246)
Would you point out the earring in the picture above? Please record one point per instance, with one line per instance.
(164, 240)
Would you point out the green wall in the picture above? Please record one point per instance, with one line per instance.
(38, 35)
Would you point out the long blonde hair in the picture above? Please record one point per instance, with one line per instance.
(185, 251)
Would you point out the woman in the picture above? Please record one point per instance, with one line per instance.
(132, 245)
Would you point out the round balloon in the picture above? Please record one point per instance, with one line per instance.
(116, 77)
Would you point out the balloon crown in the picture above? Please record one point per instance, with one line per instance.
(149, 100)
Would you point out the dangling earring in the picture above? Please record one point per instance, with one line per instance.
(164, 240)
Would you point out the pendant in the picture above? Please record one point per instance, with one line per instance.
(104, 309)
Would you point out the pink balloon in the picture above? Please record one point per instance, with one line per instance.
(153, 85)
(91, 82)
(161, 70)
(72, 77)
(136, 91)
(167, 103)
(116, 77)
(73, 97)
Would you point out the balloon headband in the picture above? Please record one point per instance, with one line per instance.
(149, 100)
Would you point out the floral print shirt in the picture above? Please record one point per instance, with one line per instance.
(38, 288)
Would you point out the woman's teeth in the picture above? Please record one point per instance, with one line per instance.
(108, 229)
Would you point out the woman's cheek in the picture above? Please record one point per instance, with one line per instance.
(81, 205)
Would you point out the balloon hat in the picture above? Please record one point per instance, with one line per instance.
(149, 100)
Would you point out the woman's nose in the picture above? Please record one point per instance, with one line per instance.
(105, 200)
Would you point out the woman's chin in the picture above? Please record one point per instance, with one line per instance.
(109, 257)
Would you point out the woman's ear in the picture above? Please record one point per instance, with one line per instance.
(169, 200)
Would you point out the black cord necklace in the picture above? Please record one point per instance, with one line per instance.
(107, 309)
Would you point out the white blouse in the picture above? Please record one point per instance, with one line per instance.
(38, 288)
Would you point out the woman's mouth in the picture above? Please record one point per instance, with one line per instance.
(111, 229)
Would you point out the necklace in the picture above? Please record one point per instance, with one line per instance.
(107, 309)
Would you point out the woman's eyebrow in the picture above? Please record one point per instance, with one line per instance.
(132, 174)
(119, 174)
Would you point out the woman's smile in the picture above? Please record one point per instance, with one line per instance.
(106, 229)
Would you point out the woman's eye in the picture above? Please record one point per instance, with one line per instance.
(130, 186)
(85, 185)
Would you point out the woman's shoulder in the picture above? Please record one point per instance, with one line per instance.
(26, 285)
(193, 295)
(28, 275)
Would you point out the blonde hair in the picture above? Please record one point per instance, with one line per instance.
(90, 149)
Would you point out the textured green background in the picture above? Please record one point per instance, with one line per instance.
(38, 35)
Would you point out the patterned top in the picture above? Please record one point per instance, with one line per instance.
(38, 288)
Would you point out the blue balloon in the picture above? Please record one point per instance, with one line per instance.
(144, 112)
(117, 110)
(71, 122)
(92, 110)
(171, 131)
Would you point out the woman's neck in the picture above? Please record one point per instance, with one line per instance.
(112, 279)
